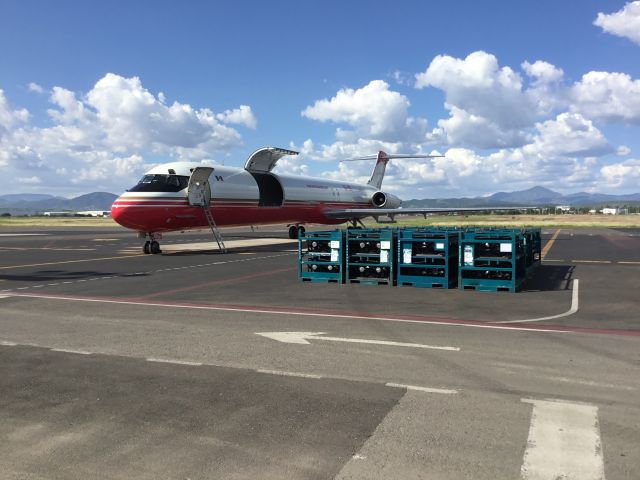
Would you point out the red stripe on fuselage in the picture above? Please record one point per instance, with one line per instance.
(158, 216)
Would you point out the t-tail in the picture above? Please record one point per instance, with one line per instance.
(382, 158)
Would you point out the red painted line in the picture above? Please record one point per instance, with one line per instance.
(339, 314)
(217, 282)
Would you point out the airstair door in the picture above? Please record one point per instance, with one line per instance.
(199, 191)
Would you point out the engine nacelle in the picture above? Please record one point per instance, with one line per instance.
(385, 200)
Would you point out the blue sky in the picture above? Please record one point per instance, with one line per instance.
(514, 94)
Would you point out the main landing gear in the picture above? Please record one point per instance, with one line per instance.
(151, 246)
(295, 230)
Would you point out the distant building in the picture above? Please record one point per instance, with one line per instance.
(615, 211)
(94, 213)
(563, 208)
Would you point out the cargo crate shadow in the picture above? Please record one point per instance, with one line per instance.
(548, 278)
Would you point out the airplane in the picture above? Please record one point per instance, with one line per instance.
(180, 196)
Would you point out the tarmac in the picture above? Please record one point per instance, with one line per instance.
(196, 364)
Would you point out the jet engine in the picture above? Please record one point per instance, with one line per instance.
(385, 200)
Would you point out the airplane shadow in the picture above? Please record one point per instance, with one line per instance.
(549, 278)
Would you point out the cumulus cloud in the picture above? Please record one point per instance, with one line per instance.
(111, 134)
(373, 111)
(543, 72)
(9, 117)
(611, 97)
(34, 87)
(623, 23)
(622, 175)
(239, 116)
(490, 106)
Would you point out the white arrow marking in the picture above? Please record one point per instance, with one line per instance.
(301, 338)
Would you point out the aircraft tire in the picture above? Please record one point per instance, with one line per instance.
(146, 248)
(293, 232)
(154, 248)
(301, 230)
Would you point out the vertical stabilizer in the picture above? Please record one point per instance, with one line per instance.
(378, 171)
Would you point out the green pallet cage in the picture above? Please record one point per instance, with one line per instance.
(492, 259)
(321, 256)
(370, 256)
(427, 257)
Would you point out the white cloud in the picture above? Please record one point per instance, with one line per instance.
(9, 117)
(622, 175)
(570, 134)
(34, 87)
(239, 116)
(542, 71)
(623, 23)
(490, 106)
(479, 86)
(35, 180)
(465, 129)
(610, 97)
(108, 136)
(374, 111)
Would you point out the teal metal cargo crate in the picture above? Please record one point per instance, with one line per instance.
(370, 256)
(427, 257)
(492, 260)
(321, 256)
(533, 247)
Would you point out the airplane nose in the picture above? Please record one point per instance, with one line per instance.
(119, 212)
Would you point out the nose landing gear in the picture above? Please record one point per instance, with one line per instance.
(295, 229)
(151, 246)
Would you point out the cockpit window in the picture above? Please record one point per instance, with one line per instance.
(161, 183)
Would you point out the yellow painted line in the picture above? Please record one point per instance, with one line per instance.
(549, 244)
(105, 239)
(590, 261)
(71, 261)
(630, 263)
(554, 260)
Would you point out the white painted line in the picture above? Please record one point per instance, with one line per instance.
(177, 362)
(564, 442)
(292, 313)
(571, 311)
(68, 350)
(422, 389)
(300, 338)
(23, 234)
(8, 344)
(288, 374)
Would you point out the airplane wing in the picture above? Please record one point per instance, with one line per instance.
(351, 213)
(264, 159)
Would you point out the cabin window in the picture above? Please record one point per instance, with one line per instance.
(161, 183)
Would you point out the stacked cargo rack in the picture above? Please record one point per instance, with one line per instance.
(474, 258)
(370, 257)
(493, 259)
(427, 257)
(321, 256)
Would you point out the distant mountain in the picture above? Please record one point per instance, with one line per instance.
(533, 196)
(21, 204)
(25, 197)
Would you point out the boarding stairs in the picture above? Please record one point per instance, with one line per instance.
(214, 228)
(199, 195)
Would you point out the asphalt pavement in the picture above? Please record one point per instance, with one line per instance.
(116, 364)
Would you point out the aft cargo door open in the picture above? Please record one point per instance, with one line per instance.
(199, 191)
